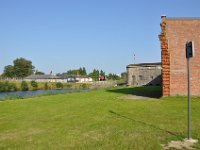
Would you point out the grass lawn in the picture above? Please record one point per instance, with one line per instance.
(96, 120)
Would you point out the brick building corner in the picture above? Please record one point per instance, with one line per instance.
(175, 32)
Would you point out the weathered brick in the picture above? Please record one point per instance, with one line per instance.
(175, 32)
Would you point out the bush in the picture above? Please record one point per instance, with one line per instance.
(83, 86)
(1, 86)
(34, 84)
(68, 85)
(12, 87)
(59, 85)
(24, 86)
(7, 87)
(46, 86)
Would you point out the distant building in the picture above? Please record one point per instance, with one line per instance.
(102, 78)
(43, 78)
(53, 78)
(76, 78)
(83, 79)
(144, 74)
(175, 32)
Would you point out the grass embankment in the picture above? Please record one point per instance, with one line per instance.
(96, 120)
(48, 85)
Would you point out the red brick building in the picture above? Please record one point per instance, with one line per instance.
(175, 32)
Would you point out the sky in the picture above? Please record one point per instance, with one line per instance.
(60, 35)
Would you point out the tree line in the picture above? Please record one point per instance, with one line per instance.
(82, 71)
(95, 74)
(22, 68)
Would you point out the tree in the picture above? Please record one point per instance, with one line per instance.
(73, 72)
(39, 73)
(20, 69)
(113, 76)
(83, 71)
(102, 73)
(9, 71)
(23, 67)
(80, 71)
(94, 75)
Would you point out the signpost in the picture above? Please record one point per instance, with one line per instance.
(189, 54)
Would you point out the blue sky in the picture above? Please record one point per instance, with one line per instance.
(60, 35)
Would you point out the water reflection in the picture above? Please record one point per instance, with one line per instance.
(36, 93)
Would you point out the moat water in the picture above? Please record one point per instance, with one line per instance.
(16, 94)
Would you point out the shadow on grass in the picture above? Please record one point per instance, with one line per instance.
(146, 91)
(146, 124)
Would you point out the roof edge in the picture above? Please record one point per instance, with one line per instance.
(145, 64)
(182, 18)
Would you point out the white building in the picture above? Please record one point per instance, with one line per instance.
(52, 78)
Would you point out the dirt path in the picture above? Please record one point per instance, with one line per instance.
(135, 97)
(186, 144)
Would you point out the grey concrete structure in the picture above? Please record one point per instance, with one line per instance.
(144, 74)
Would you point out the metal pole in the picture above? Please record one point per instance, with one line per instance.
(188, 65)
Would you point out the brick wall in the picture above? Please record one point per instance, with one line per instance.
(174, 63)
(165, 57)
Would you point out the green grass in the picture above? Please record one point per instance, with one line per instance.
(96, 120)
